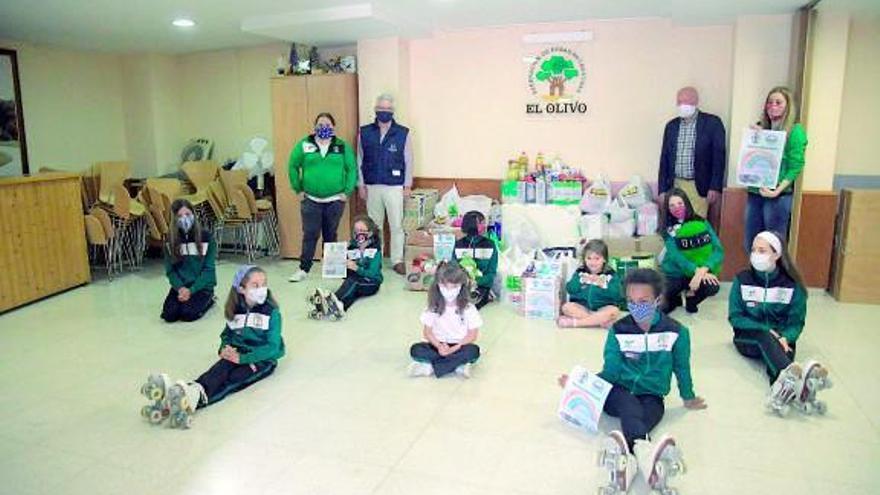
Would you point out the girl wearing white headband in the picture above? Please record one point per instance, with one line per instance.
(768, 308)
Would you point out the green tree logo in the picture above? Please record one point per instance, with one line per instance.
(555, 71)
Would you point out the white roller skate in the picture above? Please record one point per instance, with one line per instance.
(659, 462)
(319, 306)
(183, 399)
(155, 389)
(335, 309)
(785, 389)
(815, 379)
(615, 456)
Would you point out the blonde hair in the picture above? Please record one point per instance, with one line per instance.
(790, 117)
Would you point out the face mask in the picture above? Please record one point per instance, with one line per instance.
(324, 131)
(762, 262)
(384, 116)
(678, 212)
(450, 294)
(642, 312)
(257, 295)
(185, 222)
(362, 237)
(686, 111)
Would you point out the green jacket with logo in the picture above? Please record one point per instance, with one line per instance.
(592, 296)
(193, 271)
(255, 332)
(369, 260)
(482, 250)
(322, 176)
(689, 246)
(643, 363)
(768, 301)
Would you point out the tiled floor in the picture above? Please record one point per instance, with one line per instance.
(340, 416)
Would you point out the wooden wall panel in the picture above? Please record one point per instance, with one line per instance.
(296, 101)
(732, 231)
(43, 237)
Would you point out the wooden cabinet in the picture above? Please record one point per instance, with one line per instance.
(296, 101)
(857, 248)
(42, 237)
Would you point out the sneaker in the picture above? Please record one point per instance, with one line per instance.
(464, 370)
(418, 368)
(399, 269)
(298, 276)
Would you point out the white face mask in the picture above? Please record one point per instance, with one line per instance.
(450, 294)
(686, 111)
(257, 295)
(762, 262)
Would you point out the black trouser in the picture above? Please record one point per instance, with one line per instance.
(226, 377)
(318, 220)
(638, 414)
(676, 285)
(191, 310)
(482, 296)
(760, 344)
(443, 365)
(354, 288)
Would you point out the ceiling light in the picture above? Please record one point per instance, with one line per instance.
(183, 22)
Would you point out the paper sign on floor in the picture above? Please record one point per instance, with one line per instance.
(583, 399)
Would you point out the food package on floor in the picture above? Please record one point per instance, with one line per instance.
(418, 208)
(592, 226)
(447, 208)
(541, 297)
(623, 264)
(635, 193)
(420, 237)
(420, 267)
(476, 202)
(565, 192)
(583, 399)
(512, 262)
(539, 226)
(597, 197)
(444, 246)
(647, 219)
(513, 192)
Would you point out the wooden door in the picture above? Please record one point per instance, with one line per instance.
(295, 103)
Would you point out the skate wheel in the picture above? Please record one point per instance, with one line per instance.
(156, 416)
(172, 421)
(184, 403)
(820, 408)
(145, 412)
(155, 393)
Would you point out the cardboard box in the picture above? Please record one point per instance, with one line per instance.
(418, 208)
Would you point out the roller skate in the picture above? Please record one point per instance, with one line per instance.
(785, 389)
(614, 455)
(154, 390)
(659, 462)
(335, 309)
(183, 399)
(815, 379)
(319, 306)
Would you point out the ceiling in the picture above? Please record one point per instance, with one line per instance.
(145, 26)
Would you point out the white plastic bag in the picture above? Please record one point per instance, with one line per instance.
(448, 207)
(621, 220)
(635, 193)
(592, 226)
(647, 219)
(597, 197)
(478, 202)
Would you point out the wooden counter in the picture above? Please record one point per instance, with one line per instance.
(42, 238)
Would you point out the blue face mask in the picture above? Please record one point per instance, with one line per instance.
(642, 312)
(384, 116)
(324, 131)
(185, 222)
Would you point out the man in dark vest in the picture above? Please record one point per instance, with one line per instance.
(385, 159)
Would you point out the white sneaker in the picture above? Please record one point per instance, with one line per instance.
(620, 465)
(659, 462)
(298, 276)
(417, 368)
(464, 370)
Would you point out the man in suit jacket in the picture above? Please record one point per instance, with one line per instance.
(694, 153)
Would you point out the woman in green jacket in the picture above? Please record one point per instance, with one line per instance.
(189, 265)
(767, 310)
(322, 168)
(770, 209)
